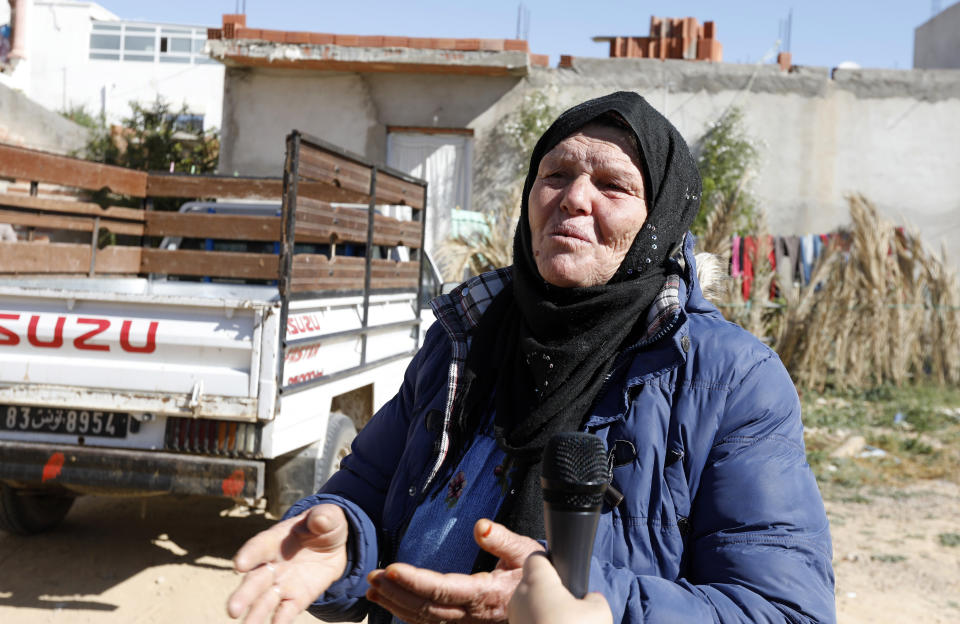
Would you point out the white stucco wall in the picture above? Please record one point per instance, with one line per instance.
(889, 134)
(59, 74)
(936, 42)
(261, 106)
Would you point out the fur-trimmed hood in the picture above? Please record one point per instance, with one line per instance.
(712, 276)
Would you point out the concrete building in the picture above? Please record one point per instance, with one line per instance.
(444, 110)
(77, 54)
(413, 104)
(25, 123)
(936, 42)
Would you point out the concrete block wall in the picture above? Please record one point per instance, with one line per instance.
(936, 43)
(24, 122)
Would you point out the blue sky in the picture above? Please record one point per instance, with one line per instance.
(873, 33)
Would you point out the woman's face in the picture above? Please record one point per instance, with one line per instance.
(586, 207)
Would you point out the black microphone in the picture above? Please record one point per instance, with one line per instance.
(574, 479)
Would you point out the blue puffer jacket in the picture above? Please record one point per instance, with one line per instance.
(721, 519)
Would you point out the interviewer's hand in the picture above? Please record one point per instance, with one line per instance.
(541, 598)
(287, 566)
(419, 596)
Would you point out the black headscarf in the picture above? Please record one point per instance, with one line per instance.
(544, 352)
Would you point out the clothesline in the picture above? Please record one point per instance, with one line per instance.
(792, 257)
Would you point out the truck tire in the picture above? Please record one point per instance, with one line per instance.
(298, 474)
(27, 512)
(340, 434)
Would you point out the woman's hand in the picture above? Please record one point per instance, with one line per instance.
(287, 566)
(419, 596)
(541, 598)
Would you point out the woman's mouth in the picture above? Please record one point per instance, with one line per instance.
(568, 231)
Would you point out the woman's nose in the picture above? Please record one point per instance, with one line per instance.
(578, 196)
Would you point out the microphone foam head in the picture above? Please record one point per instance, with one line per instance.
(574, 470)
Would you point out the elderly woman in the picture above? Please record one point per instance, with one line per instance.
(599, 325)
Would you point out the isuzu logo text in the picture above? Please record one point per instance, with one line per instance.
(47, 332)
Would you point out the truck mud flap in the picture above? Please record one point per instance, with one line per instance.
(119, 470)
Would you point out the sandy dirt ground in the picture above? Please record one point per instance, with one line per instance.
(127, 561)
(166, 560)
(889, 561)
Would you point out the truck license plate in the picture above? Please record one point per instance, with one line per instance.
(37, 419)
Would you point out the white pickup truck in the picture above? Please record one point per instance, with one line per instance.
(239, 364)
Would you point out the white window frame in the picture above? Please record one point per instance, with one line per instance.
(196, 36)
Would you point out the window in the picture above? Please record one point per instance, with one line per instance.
(144, 43)
(179, 45)
(139, 44)
(175, 49)
(188, 122)
(105, 42)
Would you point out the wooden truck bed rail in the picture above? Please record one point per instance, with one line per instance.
(26, 164)
(92, 239)
(311, 164)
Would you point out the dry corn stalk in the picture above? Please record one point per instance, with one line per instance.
(880, 310)
(483, 251)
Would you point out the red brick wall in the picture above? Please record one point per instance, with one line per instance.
(673, 38)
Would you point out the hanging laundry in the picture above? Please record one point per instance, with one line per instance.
(788, 259)
(772, 258)
(780, 262)
(793, 251)
(735, 270)
(809, 252)
(749, 254)
(779, 251)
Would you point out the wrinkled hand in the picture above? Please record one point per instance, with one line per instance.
(419, 596)
(541, 598)
(287, 566)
